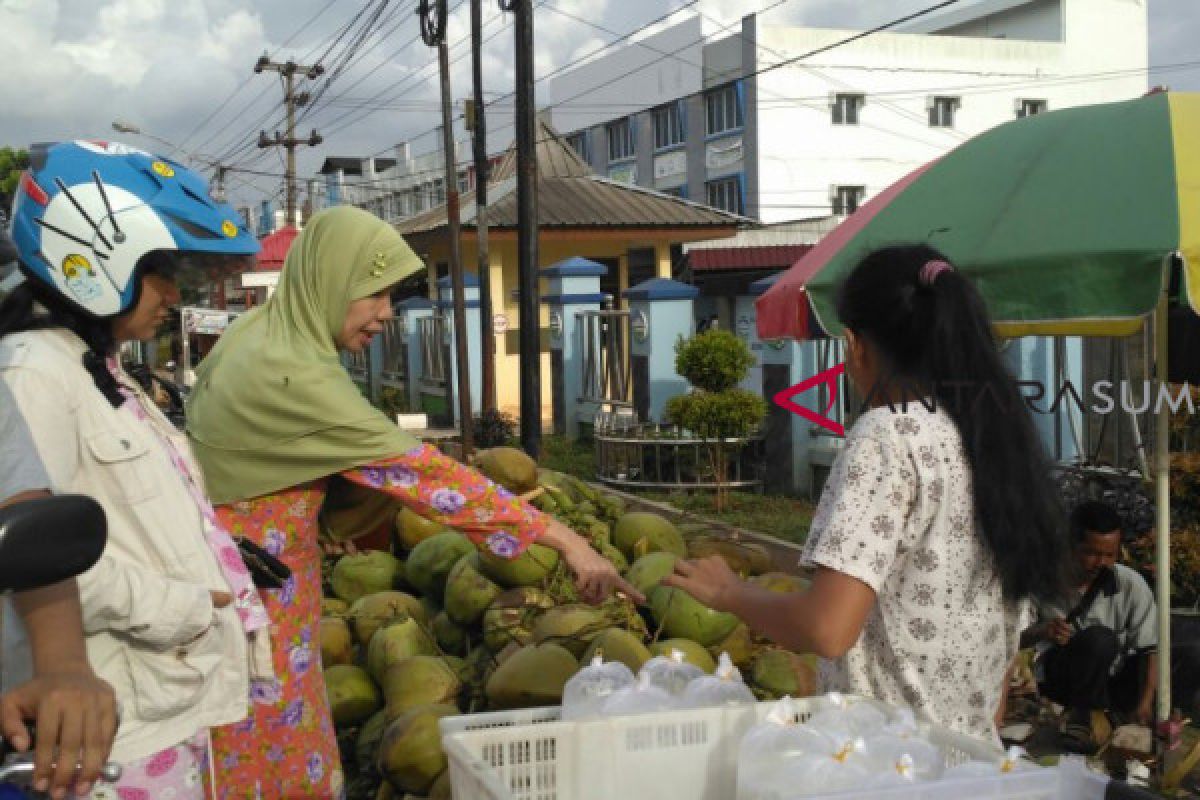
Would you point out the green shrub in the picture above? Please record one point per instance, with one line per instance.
(731, 414)
(714, 361)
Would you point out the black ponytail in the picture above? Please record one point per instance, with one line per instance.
(931, 328)
(19, 312)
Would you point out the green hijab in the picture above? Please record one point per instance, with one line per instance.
(273, 407)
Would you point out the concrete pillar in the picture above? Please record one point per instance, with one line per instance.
(574, 288)
(662, 259)
(661, 314)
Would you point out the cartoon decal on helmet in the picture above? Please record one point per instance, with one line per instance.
(81, 279)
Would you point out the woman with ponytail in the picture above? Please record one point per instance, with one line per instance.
(938, 526)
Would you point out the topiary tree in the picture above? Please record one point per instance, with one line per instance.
(714, 363)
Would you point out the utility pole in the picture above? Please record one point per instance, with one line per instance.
(529, 318)
(293, 100)
(433, 31)
(478, 128)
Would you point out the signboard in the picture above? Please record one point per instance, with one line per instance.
(500, 324)
(207, 321)
(723, 153)
(670, 165)
(743, 327)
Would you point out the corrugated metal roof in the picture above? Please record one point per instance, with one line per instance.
(570, 196)
(275, 248)
(768, 257)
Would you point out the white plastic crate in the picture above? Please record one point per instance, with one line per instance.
(679, 755)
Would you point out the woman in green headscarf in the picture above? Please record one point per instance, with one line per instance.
(273, 417)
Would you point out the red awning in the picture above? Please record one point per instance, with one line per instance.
(274, 249)
(777, 256)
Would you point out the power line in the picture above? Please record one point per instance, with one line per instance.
(264, 91)
(977, 89)
(243, 143)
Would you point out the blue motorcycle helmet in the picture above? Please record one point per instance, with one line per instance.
(86, 215)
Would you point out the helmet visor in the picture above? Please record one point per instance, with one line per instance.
(191, 270)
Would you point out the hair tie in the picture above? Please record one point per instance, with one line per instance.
(930, 271)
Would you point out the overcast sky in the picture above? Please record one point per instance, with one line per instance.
(73, 66)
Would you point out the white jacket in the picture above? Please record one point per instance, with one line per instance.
(147, 600)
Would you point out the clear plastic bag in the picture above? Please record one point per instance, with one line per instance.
(846, 718)
(639, 698)
(587, 690)
(723, 687)
(1013, 761)
(770, 748)
(842, 770)
(670, 673)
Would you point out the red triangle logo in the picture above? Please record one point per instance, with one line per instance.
(829, 377)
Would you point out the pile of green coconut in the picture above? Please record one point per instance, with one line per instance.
(439, 627)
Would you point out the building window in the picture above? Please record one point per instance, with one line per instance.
(1027, 108)
(723, 109)
(668, 126)
(847, 199)
(726, 194)
(579, 143)
(846, 108)
(941, 111)
(676, 191)
(439, 193)
(620, 140)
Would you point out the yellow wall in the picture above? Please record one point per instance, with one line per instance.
(502, 253)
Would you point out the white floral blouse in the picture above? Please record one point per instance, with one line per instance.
(898, 515)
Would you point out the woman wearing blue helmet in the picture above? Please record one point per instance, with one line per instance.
(105, 234)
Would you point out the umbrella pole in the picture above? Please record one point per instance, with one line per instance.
(1162, 467)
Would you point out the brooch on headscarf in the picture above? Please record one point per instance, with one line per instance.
(380, 265)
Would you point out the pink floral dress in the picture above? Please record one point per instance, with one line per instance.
(286, 748)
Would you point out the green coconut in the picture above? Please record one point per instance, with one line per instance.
(511, 468)
(333, 606)
(412, 528)
(780, 672)
(739, 644)
(641, 532)
(352, 694)
(430, 562)
(366, 744)
(693, 653)
(410, 753)
(468, 591)
(533, 676)
(511, 616)
(649, 570)
(618, 644)
(372, 612)
(781, 582)
(364, 573)
(684, 617)
(573, 626)
(744, 558)
(395, 642)
(337, 645)
(451, 636)
(418, 681)
(528, 569)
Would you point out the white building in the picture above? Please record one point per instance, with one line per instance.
(748, 122)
